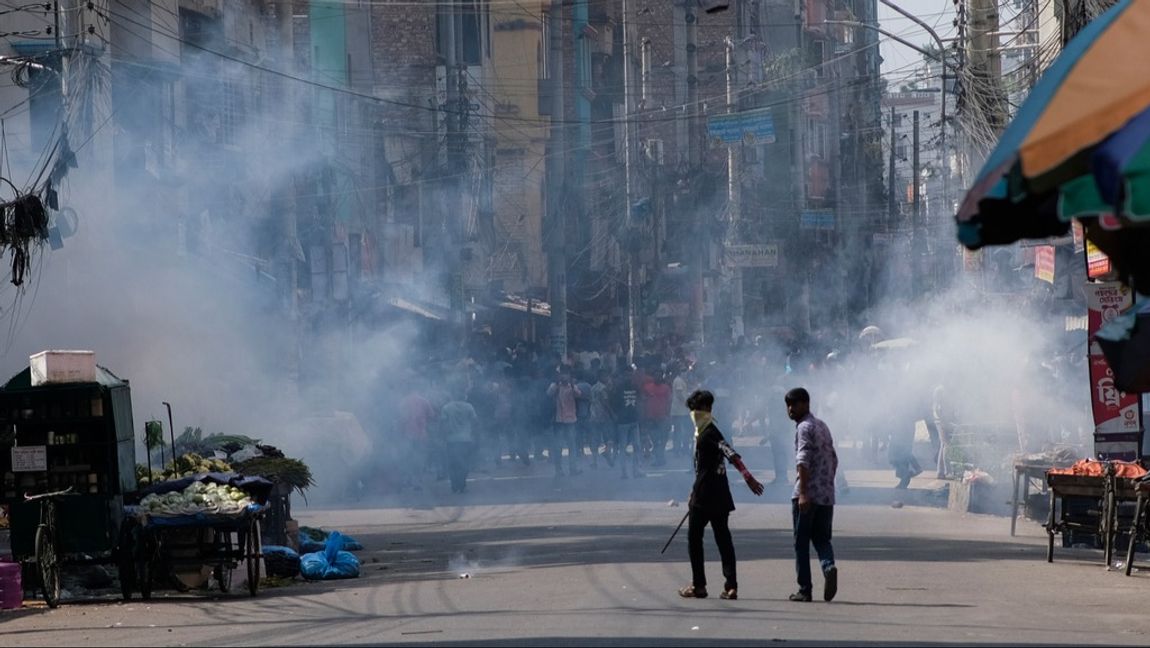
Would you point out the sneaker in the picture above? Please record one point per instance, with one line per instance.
(831, 586)
(801, 597)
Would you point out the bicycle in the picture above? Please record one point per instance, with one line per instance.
(46, 549)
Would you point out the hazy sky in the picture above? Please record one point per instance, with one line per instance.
(898, 59)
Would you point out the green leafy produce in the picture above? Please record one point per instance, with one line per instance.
(284, 470)
(154, 434)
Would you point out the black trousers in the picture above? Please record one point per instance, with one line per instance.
(697, 521)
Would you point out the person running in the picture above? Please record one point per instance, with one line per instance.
(813, 503)
(711, 501)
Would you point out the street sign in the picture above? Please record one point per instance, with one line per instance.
(755, 255)
(754, 126)
(820, 219)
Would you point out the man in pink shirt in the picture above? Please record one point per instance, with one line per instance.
(564, 391)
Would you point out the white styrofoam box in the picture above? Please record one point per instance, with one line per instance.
(50, 367)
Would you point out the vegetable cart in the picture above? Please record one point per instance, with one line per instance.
(67, 456)
(168, 540)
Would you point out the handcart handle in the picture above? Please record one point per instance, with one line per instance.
(32, 498)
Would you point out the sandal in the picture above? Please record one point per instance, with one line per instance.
(691, 591)
(729, 595)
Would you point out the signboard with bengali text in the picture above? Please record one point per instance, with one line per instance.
(1117, 415)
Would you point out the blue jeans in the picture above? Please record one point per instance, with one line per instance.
(628, 433)
(812, 527)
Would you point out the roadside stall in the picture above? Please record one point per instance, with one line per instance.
(67, 456)
(1030, 470)
(207, 522)
(1088, 497)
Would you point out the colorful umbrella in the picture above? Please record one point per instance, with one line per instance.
(1078, 146)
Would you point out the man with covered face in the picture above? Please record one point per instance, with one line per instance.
(711, 501)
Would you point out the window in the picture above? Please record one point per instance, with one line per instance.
(469, 25)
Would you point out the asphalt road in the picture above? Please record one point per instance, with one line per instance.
(578, 563)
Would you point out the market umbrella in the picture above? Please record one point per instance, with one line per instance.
(1095, 92)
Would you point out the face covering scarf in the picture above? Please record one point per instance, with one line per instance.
(701, 420)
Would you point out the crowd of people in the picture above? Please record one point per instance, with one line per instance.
(593, 410)
(588, 410)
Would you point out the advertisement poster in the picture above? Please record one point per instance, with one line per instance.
(1097, 263)
(1044, 263)
(1117, 415)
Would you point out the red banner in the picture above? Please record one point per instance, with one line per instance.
(1117, 415)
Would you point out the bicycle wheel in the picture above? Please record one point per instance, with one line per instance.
(253, 557)
(48, 565)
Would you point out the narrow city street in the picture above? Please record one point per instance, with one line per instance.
(582, 566)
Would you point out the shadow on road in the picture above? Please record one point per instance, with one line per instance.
(558, 642)
(423, 553)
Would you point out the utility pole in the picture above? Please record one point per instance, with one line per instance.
(892, 183)
(287, 201)
(632, 253)
(916, 226)
(64, 51)
(734, 199)
(556, 189)
(450, 63)
(694, 156)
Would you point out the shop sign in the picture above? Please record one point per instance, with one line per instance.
(756, 255)
(1117, 415)
(29, 459)
(750, 126)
